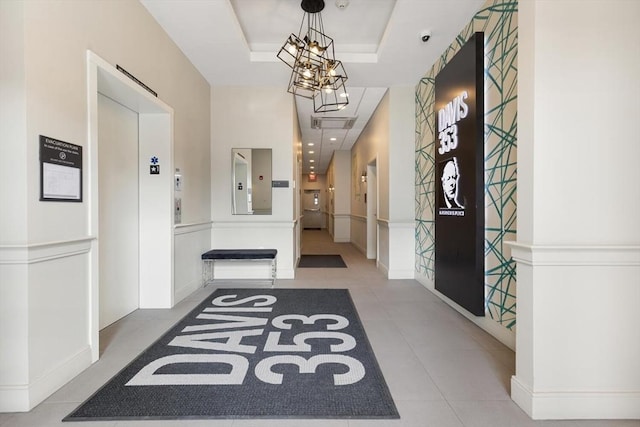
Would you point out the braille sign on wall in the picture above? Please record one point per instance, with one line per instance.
(154, 167)
(459, 158)
(60, 170)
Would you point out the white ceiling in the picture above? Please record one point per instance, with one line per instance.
(235, 42)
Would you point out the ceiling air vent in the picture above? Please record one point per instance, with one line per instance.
(320, 122)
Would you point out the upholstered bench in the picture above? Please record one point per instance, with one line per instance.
(209, 258)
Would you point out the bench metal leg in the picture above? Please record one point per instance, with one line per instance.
(273, 272)
(207, 271)
(208, 268)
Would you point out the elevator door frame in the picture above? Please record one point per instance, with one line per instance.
(156, 193)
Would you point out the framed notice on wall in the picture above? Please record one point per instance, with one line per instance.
(60, 170)
(459, 158)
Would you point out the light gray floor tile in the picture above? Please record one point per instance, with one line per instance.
(49, 415)
(442, 370)
(438, 336)
(468, 374)
(172, 423)
(89, 381)
(491, 414)
(290, 423)
(385, 338)
(4, 417)
(589, 423)
(417, 413)
(388, 294)
(407, 378)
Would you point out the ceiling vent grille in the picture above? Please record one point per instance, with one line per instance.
(320, 122)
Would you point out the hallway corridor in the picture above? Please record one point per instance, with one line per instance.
(442, 370)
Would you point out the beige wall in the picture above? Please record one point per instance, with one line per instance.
(254, 117)
(387, 140)
(45, 247)
(338, 183)
(122, 33)
(251, 117)
(13, 150)
(372, 144)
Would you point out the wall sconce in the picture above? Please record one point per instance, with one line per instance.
(331, 188)
(363, 178)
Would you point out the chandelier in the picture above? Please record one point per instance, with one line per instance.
(315, 72)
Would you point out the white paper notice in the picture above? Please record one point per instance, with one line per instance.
(60, 182)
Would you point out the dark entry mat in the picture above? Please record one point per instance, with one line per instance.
(321, 261)
(252, 353)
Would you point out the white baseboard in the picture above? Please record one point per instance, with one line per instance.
(361, 249)
(186, 290)
(397, 273)
(285, 273)
(575, 404)
(24, 397)
(383, 268)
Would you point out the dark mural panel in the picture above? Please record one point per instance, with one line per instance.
(459, 234)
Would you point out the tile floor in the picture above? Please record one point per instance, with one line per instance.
(441, 369)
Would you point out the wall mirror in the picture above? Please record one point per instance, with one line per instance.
(251, 181)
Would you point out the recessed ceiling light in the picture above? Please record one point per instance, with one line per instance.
(312, 167)
(311, 161)
(332, 139)
(311, 152)
(344, 94)
(310, 144)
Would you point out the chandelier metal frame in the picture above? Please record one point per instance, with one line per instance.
(315, 72)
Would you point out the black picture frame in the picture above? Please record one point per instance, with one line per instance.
(60, 171)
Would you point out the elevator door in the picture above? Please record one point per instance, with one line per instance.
(312, 213)
(118, 210)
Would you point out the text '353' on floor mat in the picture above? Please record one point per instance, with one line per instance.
(253, 353)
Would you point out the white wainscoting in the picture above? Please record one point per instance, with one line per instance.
(396, 248)
(44, 290)
(383, 246)
(359, 232)
(191, 241)
(244, 234)
(341, 228)
(401, 249)
(578, 341)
